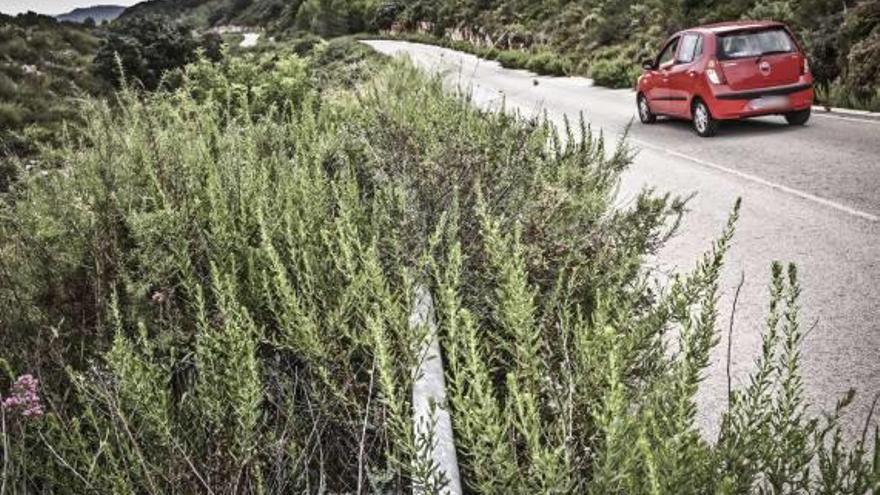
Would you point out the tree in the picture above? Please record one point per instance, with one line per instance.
(386, 14)
(862, 34)
(145, 49)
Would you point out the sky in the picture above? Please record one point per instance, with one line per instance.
(54, 7)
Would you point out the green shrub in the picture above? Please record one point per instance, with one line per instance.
(253, 84)
(840, 95)
(227, 297)
(548, 63)
(863, 70)
(11, 115)
(227, 273)
(513, 59)
(343, 62)
(305, 44)
(143, 50)
(614, 73)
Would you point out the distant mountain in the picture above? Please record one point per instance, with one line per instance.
(100, 14)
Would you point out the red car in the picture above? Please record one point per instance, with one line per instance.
(727, 71)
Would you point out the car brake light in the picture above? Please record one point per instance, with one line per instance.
(714, 73)
(805, 66)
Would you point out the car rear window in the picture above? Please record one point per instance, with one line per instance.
(742, 44)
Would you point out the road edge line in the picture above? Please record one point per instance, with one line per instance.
(773, 185)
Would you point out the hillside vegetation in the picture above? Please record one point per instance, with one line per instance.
(48, 68)
(210, 293)
(44, 69)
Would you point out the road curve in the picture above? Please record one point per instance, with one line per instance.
(811, 196)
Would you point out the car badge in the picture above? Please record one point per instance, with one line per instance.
(764, 68)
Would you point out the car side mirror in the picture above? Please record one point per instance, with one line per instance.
(648, 65)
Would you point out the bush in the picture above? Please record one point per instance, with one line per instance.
(229, 296)
(11, 115)
(305, 44)
(863, 70)
(614, 73)
(343, 62)
(513, 59)
(839, 95)
(254, 85)
(328, 18)
(548, 63)
(144, 49)
(297, 238)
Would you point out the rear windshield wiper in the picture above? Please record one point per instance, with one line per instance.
(774, 52)
(771, 52)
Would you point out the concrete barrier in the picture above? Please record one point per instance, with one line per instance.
(429, 389)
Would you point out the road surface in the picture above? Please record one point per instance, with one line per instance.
(811, 196)
(250, 40)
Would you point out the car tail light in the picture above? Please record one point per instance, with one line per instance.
(805, 66)
(714, 73)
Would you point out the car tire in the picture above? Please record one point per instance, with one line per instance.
(798, 118)
(704, 124)
(645, 113)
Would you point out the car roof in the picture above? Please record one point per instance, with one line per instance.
(724, 27)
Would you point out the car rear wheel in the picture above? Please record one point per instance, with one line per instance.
(798, 118)
(704, 123)
(645, 113)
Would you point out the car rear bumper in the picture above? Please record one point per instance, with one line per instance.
(741, 104)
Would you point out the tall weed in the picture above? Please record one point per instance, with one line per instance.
(214, 290)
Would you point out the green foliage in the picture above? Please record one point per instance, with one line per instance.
(513, 59)
(615, 73)
(215, 284)
(251, 84)
(330, 18)
(343, 62)
(304, 45)
(41, 77)
(543, 62)
(145, 49)
(863, 61)
(546, 62)
(839, 96)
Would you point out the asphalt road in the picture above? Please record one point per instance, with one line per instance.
(811, 195)
(250, 40)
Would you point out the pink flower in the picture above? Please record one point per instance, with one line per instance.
(24, 399)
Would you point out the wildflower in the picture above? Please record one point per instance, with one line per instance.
(162, 296)
(24, 398)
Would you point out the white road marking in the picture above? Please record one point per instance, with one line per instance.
(764, 182)
(750, 177)
(250, 40)
(721, 168)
